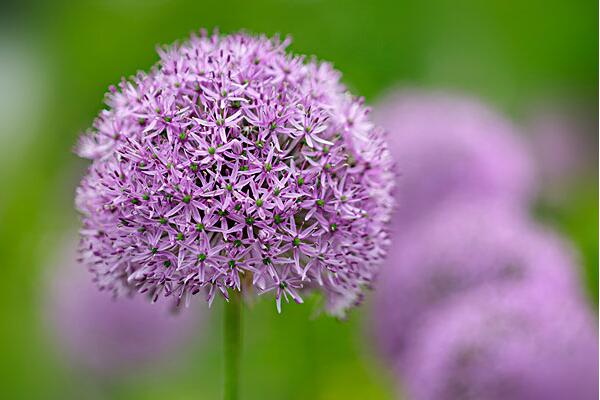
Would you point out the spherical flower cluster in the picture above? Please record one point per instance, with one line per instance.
(455, 250)
(111, 337)
(522, 344)
(233, 165)
(448, 146)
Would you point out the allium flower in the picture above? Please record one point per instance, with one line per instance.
(527, 344)
(449, 146)
(457, 249)
(111, 336)
(232, 164)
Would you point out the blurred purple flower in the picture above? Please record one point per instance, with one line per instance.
(456, 249)
(530, 343)
(234, 164)
(448, 146)
(565, 146)
(110, 336)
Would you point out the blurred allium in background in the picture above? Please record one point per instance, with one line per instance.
(112, 337)
(564, 140)
(496, 344)
(458, 248)
(232, 164)
(448, 147)
(475, 300)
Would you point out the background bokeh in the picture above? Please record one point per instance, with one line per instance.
(58, 57)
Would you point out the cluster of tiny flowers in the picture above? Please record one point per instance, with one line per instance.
(232, 164)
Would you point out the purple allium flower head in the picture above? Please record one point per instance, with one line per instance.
(232, 164)
(526, 344)
(110, 336)
(448, 146)
(457, 249)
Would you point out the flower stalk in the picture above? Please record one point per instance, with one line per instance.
(232, 345)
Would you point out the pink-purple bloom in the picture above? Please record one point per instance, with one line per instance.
(457, 249)
(233, 165)
(529, 343)
(448, 146)
(564, 141)
(475, 301)
(107, 336)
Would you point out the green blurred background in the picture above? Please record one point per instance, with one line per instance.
(57, 59)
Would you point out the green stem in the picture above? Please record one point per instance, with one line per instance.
(233, 345)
